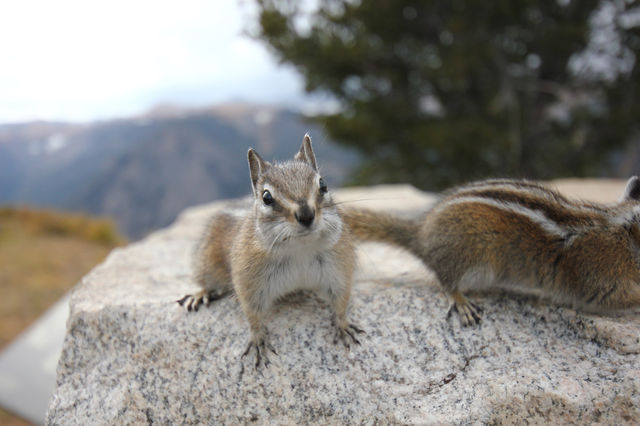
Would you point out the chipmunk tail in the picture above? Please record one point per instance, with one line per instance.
(369, 225)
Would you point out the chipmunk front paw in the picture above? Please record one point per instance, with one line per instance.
(204, 297)
(261, 345)
(347, 334)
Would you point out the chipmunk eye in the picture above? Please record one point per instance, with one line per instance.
(267, 198)
(323, 186)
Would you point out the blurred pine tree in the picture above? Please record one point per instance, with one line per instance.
(442, 91)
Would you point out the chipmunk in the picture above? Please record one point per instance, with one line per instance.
(513, 233)
(293, 238)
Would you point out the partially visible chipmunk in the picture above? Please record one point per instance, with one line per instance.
(292, 239)
(511, 233)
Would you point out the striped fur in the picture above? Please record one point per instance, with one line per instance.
(512, 233)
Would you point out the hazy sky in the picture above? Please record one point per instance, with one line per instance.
(82, 60)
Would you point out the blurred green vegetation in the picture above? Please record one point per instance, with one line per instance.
(442, 91)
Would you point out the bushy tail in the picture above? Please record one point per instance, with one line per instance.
(369, 225)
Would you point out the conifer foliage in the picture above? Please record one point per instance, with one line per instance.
(438, 92)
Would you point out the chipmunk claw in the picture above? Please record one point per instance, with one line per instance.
(261, 347)
(347, 333)
(468, 312)
(192, 302)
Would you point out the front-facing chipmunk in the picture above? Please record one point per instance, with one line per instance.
(519, 234)
(292, 238)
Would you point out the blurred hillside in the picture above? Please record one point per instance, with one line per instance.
(143, 171)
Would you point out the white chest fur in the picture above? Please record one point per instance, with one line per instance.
(306, 270)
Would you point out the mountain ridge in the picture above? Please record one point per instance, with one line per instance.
(144, 170)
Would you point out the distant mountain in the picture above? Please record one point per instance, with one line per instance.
(143, 171)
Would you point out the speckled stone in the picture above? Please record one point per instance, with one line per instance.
(132, 355)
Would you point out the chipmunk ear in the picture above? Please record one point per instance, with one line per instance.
(632, 190)
(257, 166)
(306, 152)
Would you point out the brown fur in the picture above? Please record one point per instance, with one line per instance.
(383, 227)
(214, 268)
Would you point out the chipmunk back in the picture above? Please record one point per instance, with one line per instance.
(291, 238)
(520, 234)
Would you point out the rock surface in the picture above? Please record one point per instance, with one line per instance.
(132, 355)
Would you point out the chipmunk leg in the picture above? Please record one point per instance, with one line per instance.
(192, 302)
(620, 295)
(258, 339)
(468, 311)
(345, 330)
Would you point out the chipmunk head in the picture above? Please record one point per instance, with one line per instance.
(292, 200)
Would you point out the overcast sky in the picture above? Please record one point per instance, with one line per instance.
(83, 60)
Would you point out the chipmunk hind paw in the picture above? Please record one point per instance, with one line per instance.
(468, 312)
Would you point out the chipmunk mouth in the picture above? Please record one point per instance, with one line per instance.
(301, 231)
(298, 234)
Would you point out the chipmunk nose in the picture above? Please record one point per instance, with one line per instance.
(305, 215)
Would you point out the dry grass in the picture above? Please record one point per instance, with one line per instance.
(8, 419)
(42, 255)
(49, 222)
